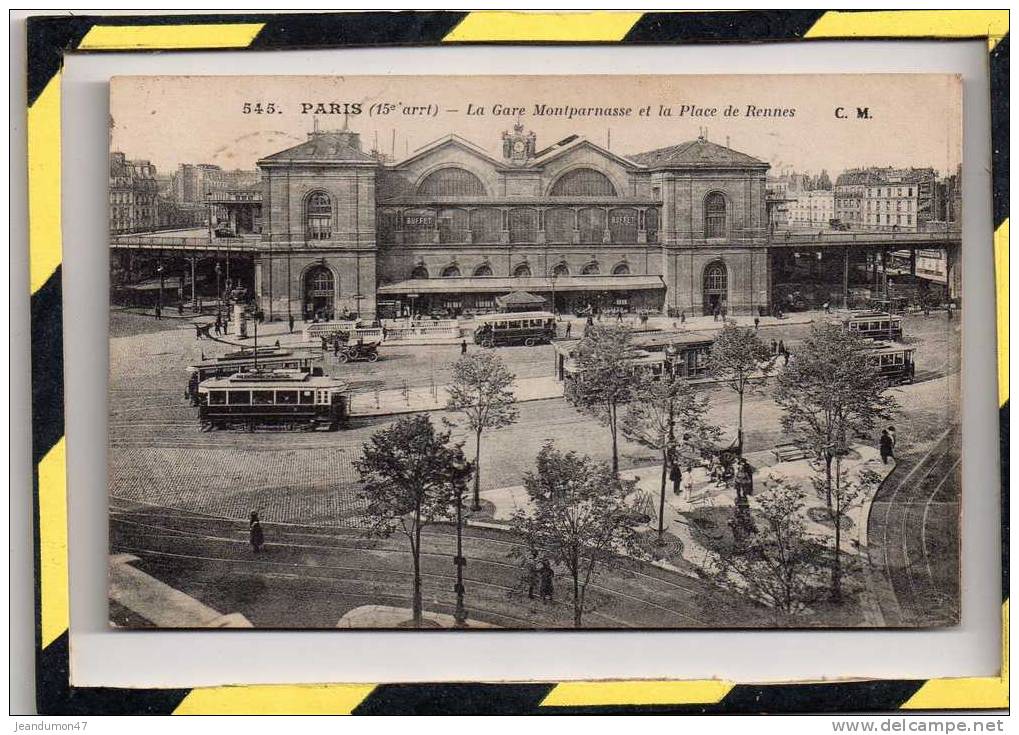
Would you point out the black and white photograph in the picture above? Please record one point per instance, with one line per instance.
(535, 352)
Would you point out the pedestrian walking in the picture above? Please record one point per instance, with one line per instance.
(885, 447)
(827, 308)
(198, 331)
(682, 317)
(948, 312)
(569, 327)
(714, 314)
(725, 313)
(546, 575)
(257, 536)
(781, 347)
(676, 477)
(180, 308)
(463, 347)
(757, 323)
(217, 327)
(774, 347)
(290, 321)
(159, 313)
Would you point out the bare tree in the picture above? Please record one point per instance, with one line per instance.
(668, 416)
(844, 495)
(409, 474)
(481, 389)
(831, 393)
(605, 378)
(736, 356)
(579, 517)
(776, 565)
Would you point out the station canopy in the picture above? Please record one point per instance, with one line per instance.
(530, 284)
(520, 301)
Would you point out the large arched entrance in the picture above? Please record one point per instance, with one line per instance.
(716, 287)
(319, 293)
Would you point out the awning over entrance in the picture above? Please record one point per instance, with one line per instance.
(488, 284)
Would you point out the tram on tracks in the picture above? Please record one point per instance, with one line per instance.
(873, 324)
(674, 352)
(514, 328)
(894, 362)
(273, 399)
(248, 359)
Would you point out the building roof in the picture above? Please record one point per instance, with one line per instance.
(325, 146)
(696, 153)
(492, 284)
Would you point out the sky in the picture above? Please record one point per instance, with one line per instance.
(913, 119)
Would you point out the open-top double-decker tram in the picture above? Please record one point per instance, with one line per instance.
(276, 399)
(248, 359)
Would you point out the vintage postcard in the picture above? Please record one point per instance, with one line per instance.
(535, 352)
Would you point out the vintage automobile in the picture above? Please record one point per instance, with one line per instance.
(358, 352)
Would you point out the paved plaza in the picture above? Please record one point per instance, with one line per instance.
(164, 469)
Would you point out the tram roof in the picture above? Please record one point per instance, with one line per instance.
(887, 347)
(273, 379)
(510, 315)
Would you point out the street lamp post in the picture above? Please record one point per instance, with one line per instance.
(159, 298)
(219, 293)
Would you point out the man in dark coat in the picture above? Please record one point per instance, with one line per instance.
(463, 347)
(885, 446)
(569, 328)
(533, 576)
(257, 536)
(290, 321)
(676, 477)
(546, 576)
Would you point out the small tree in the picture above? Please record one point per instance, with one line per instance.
(666, 415)
(830, 392)
(844, 495)
(734, 358)
(409, 474)
(481, 391)
(776, 565)
(605, 378)
(578, 516)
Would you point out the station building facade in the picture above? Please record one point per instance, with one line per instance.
(452, 227)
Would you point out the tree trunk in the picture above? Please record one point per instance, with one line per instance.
(578, 602)
(476, 500)
(615, 445)
(661, 498)
(739, 426)
(836, 570)
(827, 478)
(416, 553)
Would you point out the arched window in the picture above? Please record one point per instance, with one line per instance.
(591, 269)
(714, 215)
(419, 272)
(716, 278)
(451, 271)
(585, 182)
(623, 225)
(318, 216)
(451, 182)
(483, 270)
(622, 269)
(523, 270)
(561, 270)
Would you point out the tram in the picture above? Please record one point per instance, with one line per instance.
(894, 362)
(873, 324)
(514, 328)
(680, 353)
(244, 360)
(281, 399)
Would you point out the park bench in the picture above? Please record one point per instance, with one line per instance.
(789, 452)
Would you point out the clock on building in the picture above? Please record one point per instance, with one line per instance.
(518, 146)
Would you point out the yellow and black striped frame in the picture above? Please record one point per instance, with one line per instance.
(49, 38)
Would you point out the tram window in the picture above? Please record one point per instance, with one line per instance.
(286, 397)
(307, 397)
(262, 397)
(239, 397)
(217, 398)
